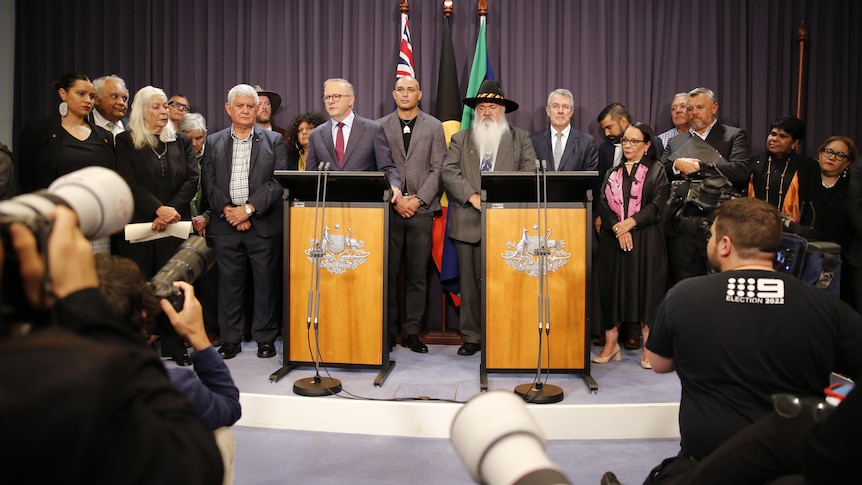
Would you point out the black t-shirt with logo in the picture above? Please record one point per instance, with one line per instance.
(738, 337)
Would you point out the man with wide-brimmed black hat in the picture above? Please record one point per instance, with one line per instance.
(270, 101)
(489, 145)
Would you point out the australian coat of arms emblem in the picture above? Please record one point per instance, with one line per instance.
(338, 252)
(525, 254)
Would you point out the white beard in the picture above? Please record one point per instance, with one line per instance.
(487, 134)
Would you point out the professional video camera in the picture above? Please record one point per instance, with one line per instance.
(693, 201)
(100, 198)
(191, 260)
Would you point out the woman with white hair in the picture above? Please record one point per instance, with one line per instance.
(160, 167)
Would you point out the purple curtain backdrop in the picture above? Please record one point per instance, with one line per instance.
(638, 53)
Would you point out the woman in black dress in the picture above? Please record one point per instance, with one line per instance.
(834, 212)
(160, 167)
(632, 261)
(66, 142)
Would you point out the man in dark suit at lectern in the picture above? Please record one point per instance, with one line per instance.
(350, 143)
(237, 177)
(490, 145)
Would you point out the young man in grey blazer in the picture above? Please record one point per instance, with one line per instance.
(418, 145)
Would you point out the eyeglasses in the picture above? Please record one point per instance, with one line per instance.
(180, 106)
(790, 406)
(830, 153)
(334, 97)
(557, 106)
(626, 141)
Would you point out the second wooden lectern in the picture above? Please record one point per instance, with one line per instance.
(511, 221)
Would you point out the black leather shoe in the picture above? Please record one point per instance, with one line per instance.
(182, 359)
(265, 350)
(413, 343)
(469, 348)
(229, 351)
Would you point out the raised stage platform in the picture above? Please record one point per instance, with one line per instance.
(424, 391)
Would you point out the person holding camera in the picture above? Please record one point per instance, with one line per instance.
(737, 337)
(160, 167)
(84, 392)
(209, 387)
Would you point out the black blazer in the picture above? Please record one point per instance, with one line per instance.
(264, 192)
(140, 167)
(38, 162)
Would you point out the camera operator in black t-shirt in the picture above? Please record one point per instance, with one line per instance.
(739, 336)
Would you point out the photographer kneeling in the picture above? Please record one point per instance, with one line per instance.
(82, 399)
(209, 386)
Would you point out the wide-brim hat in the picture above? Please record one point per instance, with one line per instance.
(274, 98)
(491, 92)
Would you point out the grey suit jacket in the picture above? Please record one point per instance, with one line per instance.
(367, 150)
(265, 193)
(580, 152)
(420, 165)
(462, 177)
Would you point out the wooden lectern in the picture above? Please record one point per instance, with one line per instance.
(510, 225)
(352, 227)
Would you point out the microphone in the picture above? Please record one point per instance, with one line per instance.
(538, 164)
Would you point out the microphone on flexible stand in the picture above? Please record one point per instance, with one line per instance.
(317, 386)
(540, 392)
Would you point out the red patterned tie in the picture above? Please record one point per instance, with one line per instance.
(339, 145)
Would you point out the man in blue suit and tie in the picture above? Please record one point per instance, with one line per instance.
(563, 147)
(349, 142)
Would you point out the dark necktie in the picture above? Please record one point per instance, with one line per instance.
(339, 144)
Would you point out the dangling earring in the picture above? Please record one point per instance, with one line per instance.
(844, 173)
(63, 108)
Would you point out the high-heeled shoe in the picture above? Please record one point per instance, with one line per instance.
(646, 365)
(615, 355)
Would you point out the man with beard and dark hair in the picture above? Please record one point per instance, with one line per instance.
(490, 145)
(270, 101)
(737, 337)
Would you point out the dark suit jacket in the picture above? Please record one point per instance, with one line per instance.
(265, 193)
(367, 150)
(462, 177)
(38, 161)
(139, 167)
(580, 152)
(89, 389)
(729, 141)
(420, 165)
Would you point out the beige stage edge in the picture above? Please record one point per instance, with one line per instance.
(351, 303)
(511, 296)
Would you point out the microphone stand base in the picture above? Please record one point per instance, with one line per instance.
(317, 386)
(540, 394)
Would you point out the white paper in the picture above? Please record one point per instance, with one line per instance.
(143, 231)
